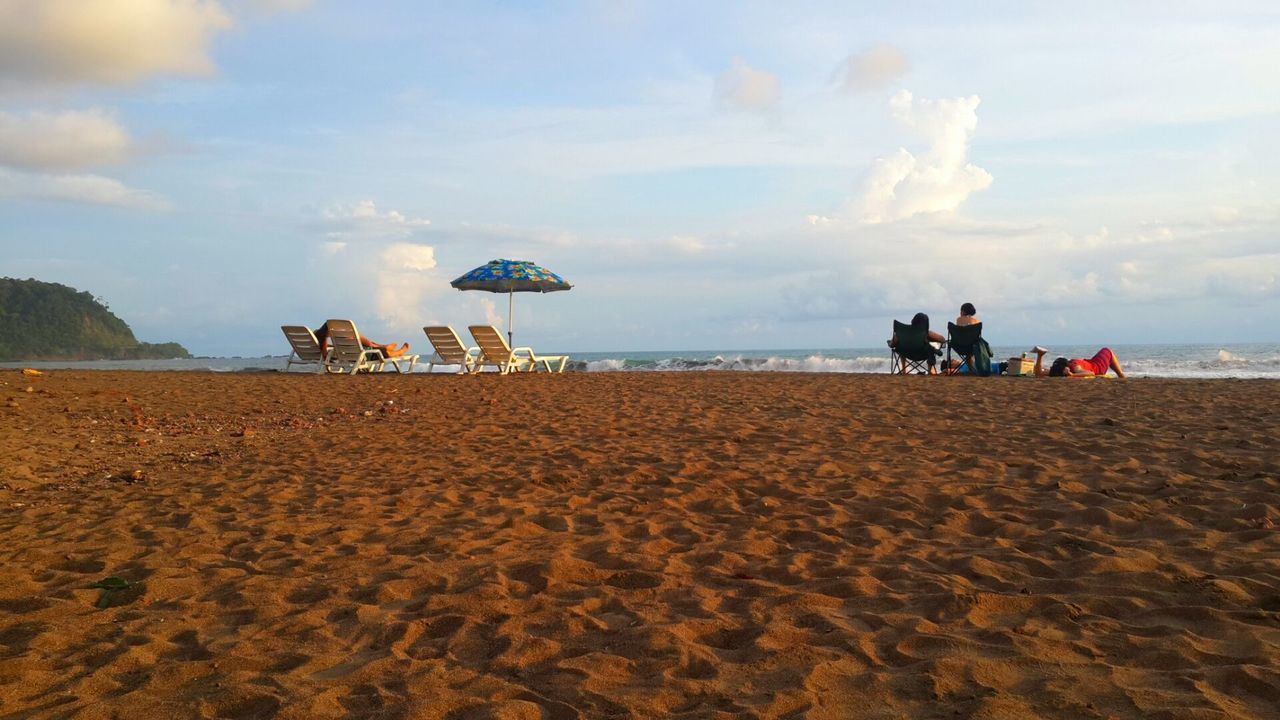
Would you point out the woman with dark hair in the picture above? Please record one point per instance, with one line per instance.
(968, 315)
(921, 322)
(1096, 366)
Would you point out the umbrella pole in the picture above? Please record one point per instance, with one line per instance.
(511, 319)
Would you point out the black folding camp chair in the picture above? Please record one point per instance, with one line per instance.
(912, 352)
(963, 341)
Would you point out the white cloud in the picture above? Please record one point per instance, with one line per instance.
(90, 189)
(363, 222)
(271, 7)
(687, 244)
(112, 42)
(904, 185)
(896, 269)
(408, 256)
(62, 141)
(691, 245)
(742, 87)
(490, 310)
(402, 282)
(381, 270)
(873, 69)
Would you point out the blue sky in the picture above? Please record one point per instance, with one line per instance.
(709, 175)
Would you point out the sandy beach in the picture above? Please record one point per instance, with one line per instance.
(694, 545)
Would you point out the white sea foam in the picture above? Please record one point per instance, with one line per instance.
(810, 364)
(1178, 361)
(1224, 363)
(606, 365)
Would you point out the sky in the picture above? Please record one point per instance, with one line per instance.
(711, 175)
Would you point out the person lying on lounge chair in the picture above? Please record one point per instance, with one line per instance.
(1096, 366)
(389, 351)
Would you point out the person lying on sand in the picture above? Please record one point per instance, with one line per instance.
(1096, 366)
(389, 351)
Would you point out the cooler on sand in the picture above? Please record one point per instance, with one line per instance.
(1020, 367)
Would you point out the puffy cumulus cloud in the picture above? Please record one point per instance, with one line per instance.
(106, 41)
(90, 189)
(903, 184)
(363, 222)
(62, 141)
(1245, 278)
(374, 250)
(900, 268)
(872, 69)
(402, 282)
(409, 257)
(742, 87)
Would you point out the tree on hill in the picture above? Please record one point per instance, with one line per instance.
(48, 321)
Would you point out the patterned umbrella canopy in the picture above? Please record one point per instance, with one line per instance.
(511, 276)
(505, 276)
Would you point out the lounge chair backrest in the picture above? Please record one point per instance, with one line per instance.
(345, 342)
(447, 344)
(304, 343)
(493, 347)
(962, 338)
(913, 342)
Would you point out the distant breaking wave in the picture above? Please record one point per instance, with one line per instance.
(1139, 361)
(811, 364)
(1172, 361)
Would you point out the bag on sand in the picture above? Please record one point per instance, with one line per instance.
(982, 358)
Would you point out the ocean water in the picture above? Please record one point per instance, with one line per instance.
(1178, 361)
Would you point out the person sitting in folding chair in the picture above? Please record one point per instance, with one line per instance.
(968, 315)
(914, 347)
(973, 354)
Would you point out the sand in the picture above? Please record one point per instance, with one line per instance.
(695, 545)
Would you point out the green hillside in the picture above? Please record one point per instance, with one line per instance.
(48, 321)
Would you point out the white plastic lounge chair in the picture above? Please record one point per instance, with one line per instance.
(347, 354)
(449, 349)
(306, 349)
(494, 351)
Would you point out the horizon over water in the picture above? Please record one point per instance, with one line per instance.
(1229, 360)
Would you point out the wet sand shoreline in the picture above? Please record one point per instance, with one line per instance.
(647, 545)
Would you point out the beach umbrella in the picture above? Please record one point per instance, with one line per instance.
(511, 277)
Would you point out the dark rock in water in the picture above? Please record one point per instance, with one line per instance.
(48, 321)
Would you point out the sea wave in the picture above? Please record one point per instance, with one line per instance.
(1224, 363)
(1171, 361)
(740, 363)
